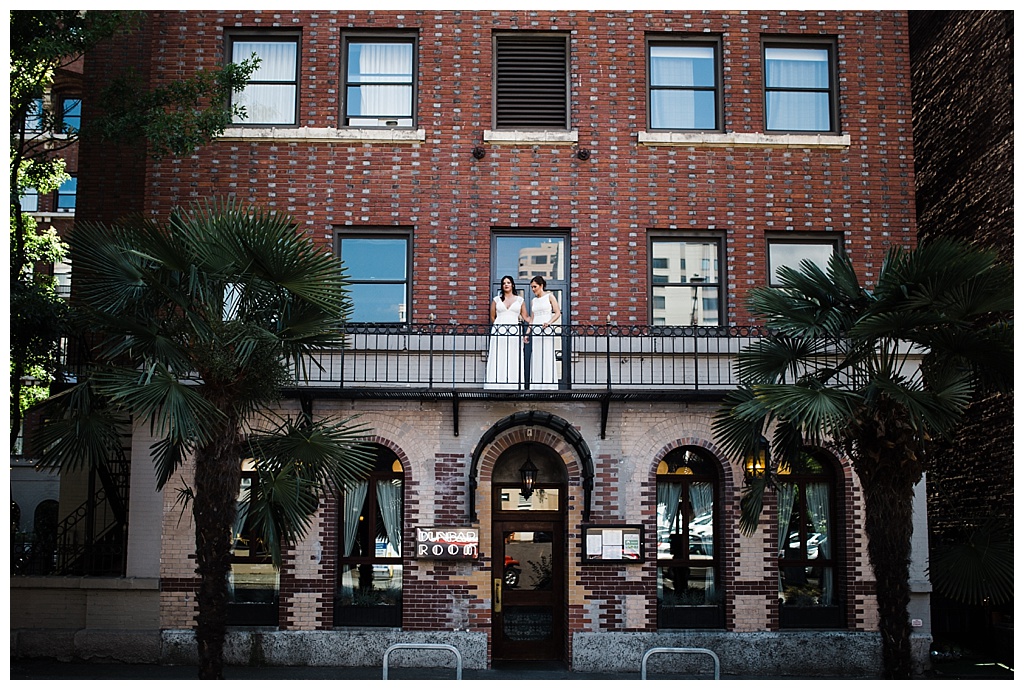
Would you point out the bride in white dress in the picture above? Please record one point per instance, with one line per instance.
(505, 354)
(545, 315)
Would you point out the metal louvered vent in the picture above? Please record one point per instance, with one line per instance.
(531, 83)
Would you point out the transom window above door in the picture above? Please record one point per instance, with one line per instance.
(379, 81)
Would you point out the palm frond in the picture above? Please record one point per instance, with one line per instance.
(978, 570)
(80, 430)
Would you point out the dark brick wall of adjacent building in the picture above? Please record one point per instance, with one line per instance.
(963, 144)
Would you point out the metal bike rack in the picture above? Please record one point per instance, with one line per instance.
(679, 650)
(442, 647)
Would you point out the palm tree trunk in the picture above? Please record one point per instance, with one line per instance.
(218, 476)
(888, 469)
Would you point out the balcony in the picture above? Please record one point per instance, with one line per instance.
(591, 361)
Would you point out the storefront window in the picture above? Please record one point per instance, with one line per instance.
(253, 583)
(369, 588)
(807, 581)
(689, 591)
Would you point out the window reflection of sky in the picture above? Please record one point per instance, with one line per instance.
(374, 259)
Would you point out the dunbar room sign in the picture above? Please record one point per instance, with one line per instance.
(460, 543)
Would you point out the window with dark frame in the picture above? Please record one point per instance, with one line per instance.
(799, 86)
(369, 585)
(684, 91)
(67, 195)
(271, 95)
(809, 593)
(792, 252)
(30, 200)
(377, 265)
(380, 87)
(34, 116)
(686, 281)
(531, 81)
(70, 115)
(253, 581)
(689, 586)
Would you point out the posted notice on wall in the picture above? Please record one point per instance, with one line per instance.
(613, 543)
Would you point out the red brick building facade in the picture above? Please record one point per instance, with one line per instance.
(658, 165)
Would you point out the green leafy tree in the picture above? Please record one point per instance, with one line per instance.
(194, 328)
(877, 374)
(168, 120)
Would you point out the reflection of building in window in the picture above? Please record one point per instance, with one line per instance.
(253, 583)
(685, 282)
(544, 260)
(687, 554)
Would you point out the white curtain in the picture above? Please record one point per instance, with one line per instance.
(702, 499)
(672, 66)
(355, 495)
(384, 62)
(818, 507)
(268, 103)
(797, 68)
(389, 502)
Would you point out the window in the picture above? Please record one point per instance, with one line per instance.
(531, 89)
(34, 116)
(30, 200)
(808, 593)
(683, 81)
(377, 265)
(791, 252)
(253, 583)
(70, 115)
(369, 587)
(689, 591)
(66, 195)
(799, 87)
(271, 95)
(678, 299)
(379, 83)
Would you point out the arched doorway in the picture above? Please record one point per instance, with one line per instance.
(530, 552)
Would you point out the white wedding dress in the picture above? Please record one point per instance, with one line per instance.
(543, 370)
(505, 353)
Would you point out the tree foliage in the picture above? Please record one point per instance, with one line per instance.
(194, 326)
(876, 374)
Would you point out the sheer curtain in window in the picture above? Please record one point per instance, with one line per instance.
(269, 98)
(384, 62)
(797, 69)
(676, 107)
(702, 499)
(818, 507)
(355, 495)
(389, 502)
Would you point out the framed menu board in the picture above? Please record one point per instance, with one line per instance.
(613, 543)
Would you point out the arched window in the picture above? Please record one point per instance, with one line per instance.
(809, 595)
(689, 585)
(369, 587)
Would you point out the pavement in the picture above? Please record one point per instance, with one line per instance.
(48, 669)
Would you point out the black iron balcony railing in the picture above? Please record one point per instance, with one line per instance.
(586, 358)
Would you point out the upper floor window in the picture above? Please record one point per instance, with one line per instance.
(683, 83)
(377, 265)
(70, 115)
(685, 282)
(271, 95)
(808, 587)
(34, 116)
(792, 252)
(67, 194)
(531, 81)
(799, 87)
(379, 82)
(30, 200)
(689, 590)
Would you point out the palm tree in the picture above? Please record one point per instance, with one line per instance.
(195, 327)
(877, 374)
